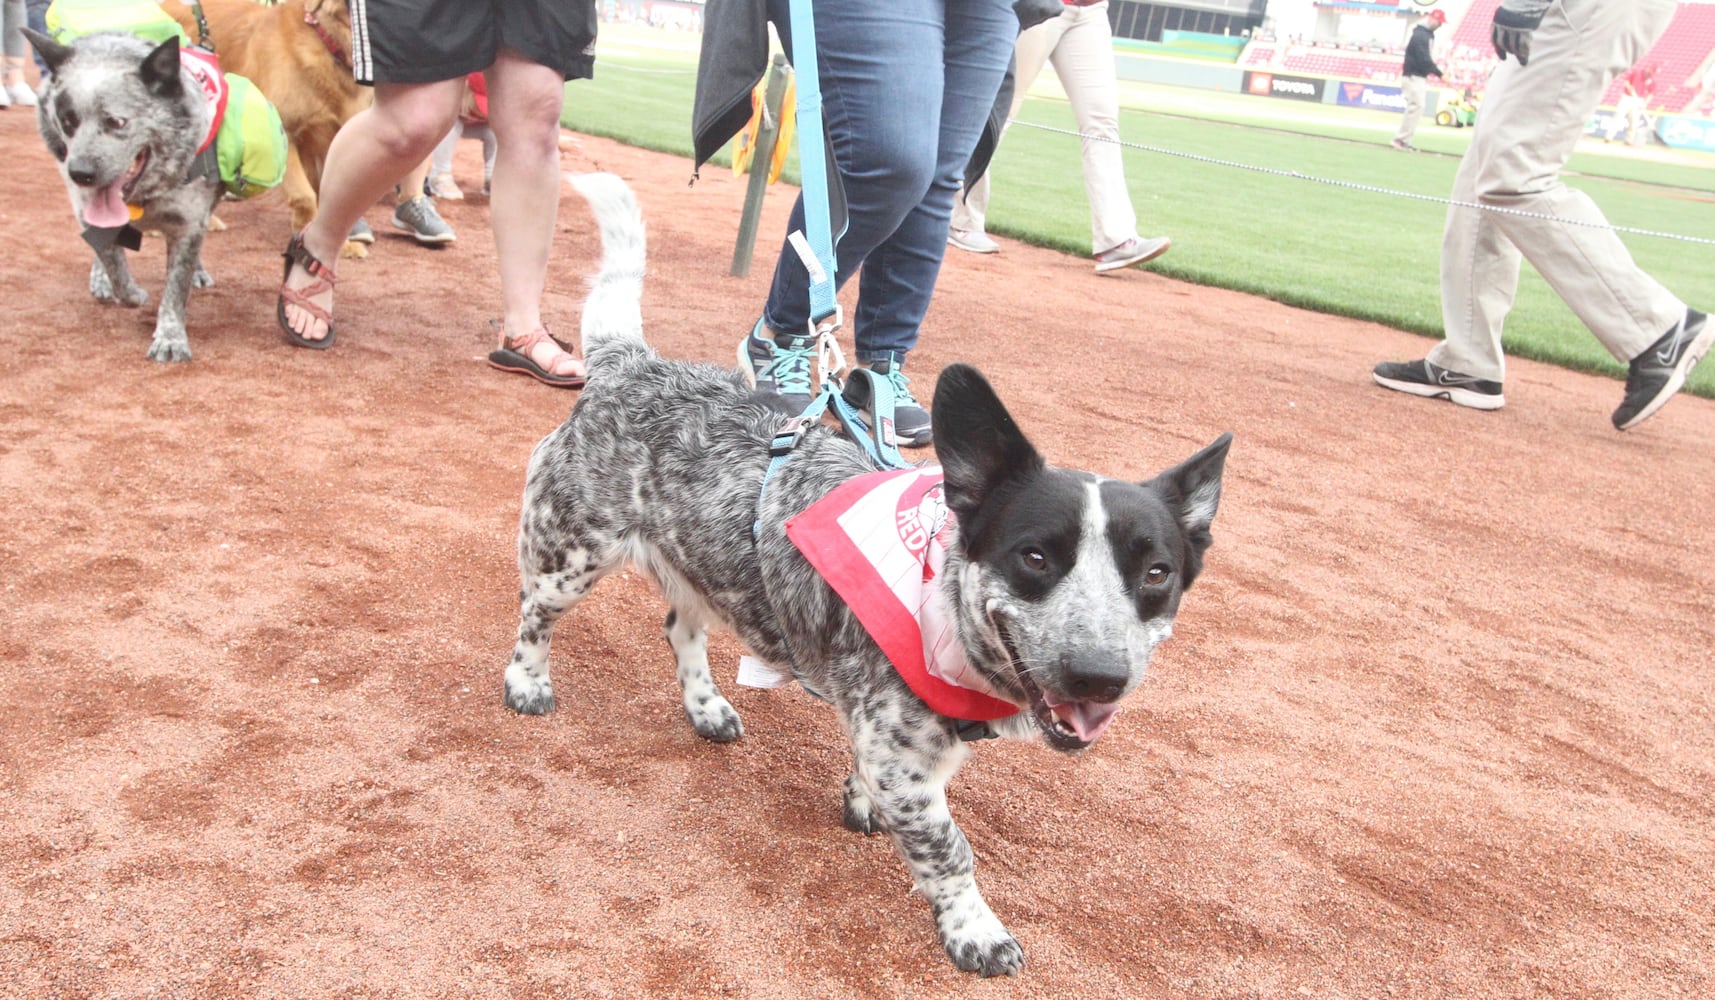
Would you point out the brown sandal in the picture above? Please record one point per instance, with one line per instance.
(513, 355)
(297, 253)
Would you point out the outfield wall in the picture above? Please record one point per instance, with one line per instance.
(1675, 131)
(1233, 79)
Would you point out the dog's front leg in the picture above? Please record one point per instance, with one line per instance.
(184, 260)
(899, 785)
(110, 279)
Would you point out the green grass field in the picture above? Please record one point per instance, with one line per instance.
(1329, 247)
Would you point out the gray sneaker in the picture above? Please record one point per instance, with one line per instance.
(1420, 378)
(418, 218)
(973, 240)
(781, 367)
(1136, 250)
(1658, 373)
(360, 233)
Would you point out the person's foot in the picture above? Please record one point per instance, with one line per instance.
(418, 219)
(539, 355)
(444, 188)
(912, 427)
(973, 240)
(780, 366)
(18, 92)
(1403, 146)
(1421, 378)
(305, 306)
(360, 233)
(1658, 373)
(1136, 250)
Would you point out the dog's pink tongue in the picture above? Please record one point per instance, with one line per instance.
(1087, 718)
(106, 208)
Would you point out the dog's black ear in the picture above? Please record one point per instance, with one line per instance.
(161, 70)
(976, 439)
(1193, 490)
(52, 52)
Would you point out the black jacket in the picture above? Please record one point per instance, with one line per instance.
(1419, 61)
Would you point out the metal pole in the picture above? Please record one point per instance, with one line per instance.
(772, 96)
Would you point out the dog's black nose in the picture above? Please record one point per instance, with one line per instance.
(81, 174)
(1093, 678)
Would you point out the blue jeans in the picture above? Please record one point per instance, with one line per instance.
(36, 17)
(906, 88)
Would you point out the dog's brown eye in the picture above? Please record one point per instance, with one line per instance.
(1034, 560)
(114, 123)
(68, 123)
(1156, 575)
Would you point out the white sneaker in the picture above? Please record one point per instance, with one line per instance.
(1133, 251)
(974, 240)
(21, 94)
(442, 187)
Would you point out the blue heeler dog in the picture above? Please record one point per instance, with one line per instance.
(1057, 585)
(125, 120)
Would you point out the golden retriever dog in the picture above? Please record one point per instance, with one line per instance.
(298, 53)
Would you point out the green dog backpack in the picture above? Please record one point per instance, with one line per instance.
(72, 19)
(250, 143)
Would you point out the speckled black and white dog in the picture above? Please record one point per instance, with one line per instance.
(124, 118)
(1061, 582)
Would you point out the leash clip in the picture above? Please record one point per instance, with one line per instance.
(789, 434)
(830, 360)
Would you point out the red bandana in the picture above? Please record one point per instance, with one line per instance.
(880, 542)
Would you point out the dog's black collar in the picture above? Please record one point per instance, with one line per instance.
(970, 732)
(102, 237)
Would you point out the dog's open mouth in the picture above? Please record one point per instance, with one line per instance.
(1065, 724)
(106, 206)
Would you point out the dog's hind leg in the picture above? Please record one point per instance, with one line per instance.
(110, 279)
(711, 715)
(904, 759)
(554, 580)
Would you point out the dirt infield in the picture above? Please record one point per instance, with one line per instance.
(1439, 720)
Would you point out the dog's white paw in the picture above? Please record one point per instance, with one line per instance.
(978, 942)
(528, 695)
(166, 347)
(858, 816)
(714, 718)
(202, 279)
(101, 289)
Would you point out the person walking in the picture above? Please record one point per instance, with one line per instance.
(1564, 55)
(417, 64)
(1632, 109)
(1414, 76)
(1080, 44)
(13, 89)
(907, 87)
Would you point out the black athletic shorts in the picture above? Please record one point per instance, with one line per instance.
(425, 41)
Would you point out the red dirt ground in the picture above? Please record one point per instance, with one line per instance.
(1439, 720)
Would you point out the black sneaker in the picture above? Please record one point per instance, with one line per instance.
(1420, 378)
(780, 367)
(911, 425)
(418, 219)
(1659, 372)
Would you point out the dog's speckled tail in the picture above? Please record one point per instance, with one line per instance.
(612, 316)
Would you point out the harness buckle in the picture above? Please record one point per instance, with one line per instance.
(789, 434)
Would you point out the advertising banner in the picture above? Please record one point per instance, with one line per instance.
(1298, 88)
(1353, 94)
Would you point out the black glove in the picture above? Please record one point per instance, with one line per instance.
(1512, 29)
